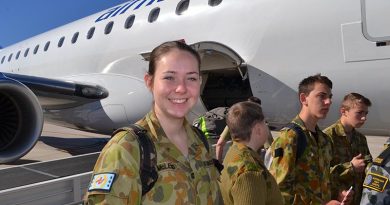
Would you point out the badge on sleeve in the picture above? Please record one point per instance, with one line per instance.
(102, 182)
(375, 182)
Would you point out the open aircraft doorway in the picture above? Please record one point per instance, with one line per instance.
(224, 76)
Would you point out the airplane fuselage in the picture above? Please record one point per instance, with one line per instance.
(270, 45)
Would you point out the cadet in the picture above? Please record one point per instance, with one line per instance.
(225, 136)
(245, 179)
(304, 177)
(350, 150)
(376, 184)
(186, 174)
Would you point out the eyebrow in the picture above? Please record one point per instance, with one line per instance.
(174, 72)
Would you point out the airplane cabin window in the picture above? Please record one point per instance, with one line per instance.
(10, 57)
(46, 46)
(2, 60)
(214, 2)
(108, 28)
(182, 6)
(26, 52)
(36, 49)
(90, 32)
(17, 55)
(129, 21)
(74, 38)
(153, 15)
(61, 41)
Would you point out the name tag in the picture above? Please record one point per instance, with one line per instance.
(375, 182)
(166, 165)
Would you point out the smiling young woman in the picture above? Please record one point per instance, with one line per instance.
(186, 174)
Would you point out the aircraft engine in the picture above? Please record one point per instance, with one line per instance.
(21, 119)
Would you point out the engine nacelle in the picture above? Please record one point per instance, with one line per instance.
(21, 119)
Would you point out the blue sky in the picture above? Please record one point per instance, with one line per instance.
(21, 19)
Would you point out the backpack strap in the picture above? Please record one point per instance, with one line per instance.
(381, 159)
(148, 157)
(202, 137)
(301, 140)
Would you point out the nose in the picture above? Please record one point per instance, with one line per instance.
(181, 86)
(328, 101)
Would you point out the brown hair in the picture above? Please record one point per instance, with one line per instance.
(165, 48)
(307, 84)
(254, 99)
(352, 99)
(242, 117)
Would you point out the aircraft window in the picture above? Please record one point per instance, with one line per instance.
(17, 55)
(2, 60)
(153, 15)
(36, 49)
(129, 21)
(75, 36)
(90, 32)
(182, 6)
(214, 2)
(26, 52)
(46, 46)
(61, 41)
(108, 28)
(10, 57)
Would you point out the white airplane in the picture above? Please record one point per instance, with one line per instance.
(88, 75)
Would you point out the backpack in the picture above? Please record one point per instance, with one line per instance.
(212, 122)
(301, 144)
(148, 156)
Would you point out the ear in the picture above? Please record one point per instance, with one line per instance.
(302, 98)
(149, 81)
(343, 111)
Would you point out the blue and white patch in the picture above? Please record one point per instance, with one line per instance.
(102, 182)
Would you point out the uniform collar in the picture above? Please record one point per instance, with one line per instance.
(245, 149)
(297, 120)
(155, 126)
(340, 131)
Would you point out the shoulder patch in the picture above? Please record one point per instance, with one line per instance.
(102, 182)
(375, 182)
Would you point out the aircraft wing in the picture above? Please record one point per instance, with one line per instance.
(22, 99)
(60, 94)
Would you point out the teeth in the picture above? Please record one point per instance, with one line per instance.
(178, 100)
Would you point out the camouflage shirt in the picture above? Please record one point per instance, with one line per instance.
(181, 180)
(245, 179)
(344, 149)
(307, 180)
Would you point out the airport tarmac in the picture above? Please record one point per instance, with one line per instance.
(58, 142)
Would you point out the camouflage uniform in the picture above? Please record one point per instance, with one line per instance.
(245, 179)
(181, 180)
(307, 180)
(376, 184)
(344, 149)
